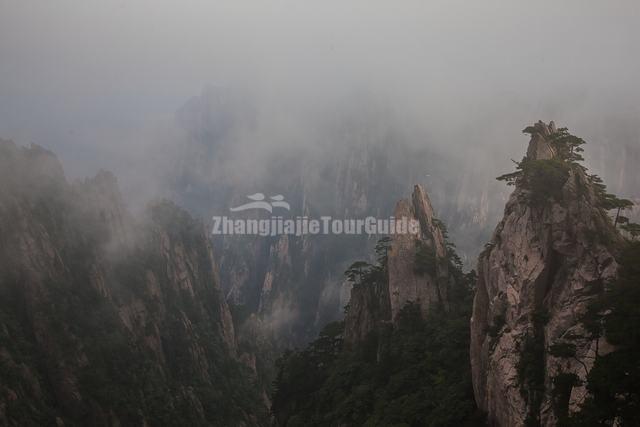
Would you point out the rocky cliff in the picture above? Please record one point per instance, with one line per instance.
(551, 253)
(416, 271)
(401, 354)
(107, 320)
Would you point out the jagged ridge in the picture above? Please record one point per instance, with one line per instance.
(105, 320)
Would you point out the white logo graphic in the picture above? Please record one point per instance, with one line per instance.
(259, 202)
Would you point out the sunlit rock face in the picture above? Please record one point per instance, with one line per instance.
(536, 277)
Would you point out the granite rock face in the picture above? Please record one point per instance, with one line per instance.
(539, 147)
(536, 278)
(374, 305)
(405, 283)
(368, 311)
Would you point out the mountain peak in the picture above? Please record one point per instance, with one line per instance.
(547, 260)
(540, 147)
(407, 281)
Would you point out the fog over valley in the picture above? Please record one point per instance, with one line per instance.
(149, 118)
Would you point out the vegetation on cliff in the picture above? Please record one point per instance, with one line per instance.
(581, 368)
(414, 371)
(105, 320)
(546, 177)
(614, 380)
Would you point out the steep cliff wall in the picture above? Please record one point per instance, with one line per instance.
(409, 281)
(551, 253)
(416, 271)
(107, 320)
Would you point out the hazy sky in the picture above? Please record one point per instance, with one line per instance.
(90, 78)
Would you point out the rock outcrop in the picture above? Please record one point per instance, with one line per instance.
(402, 353)
(407, 281)
(546, 260)
(416, 272)
(107, 320)
(367, 312)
